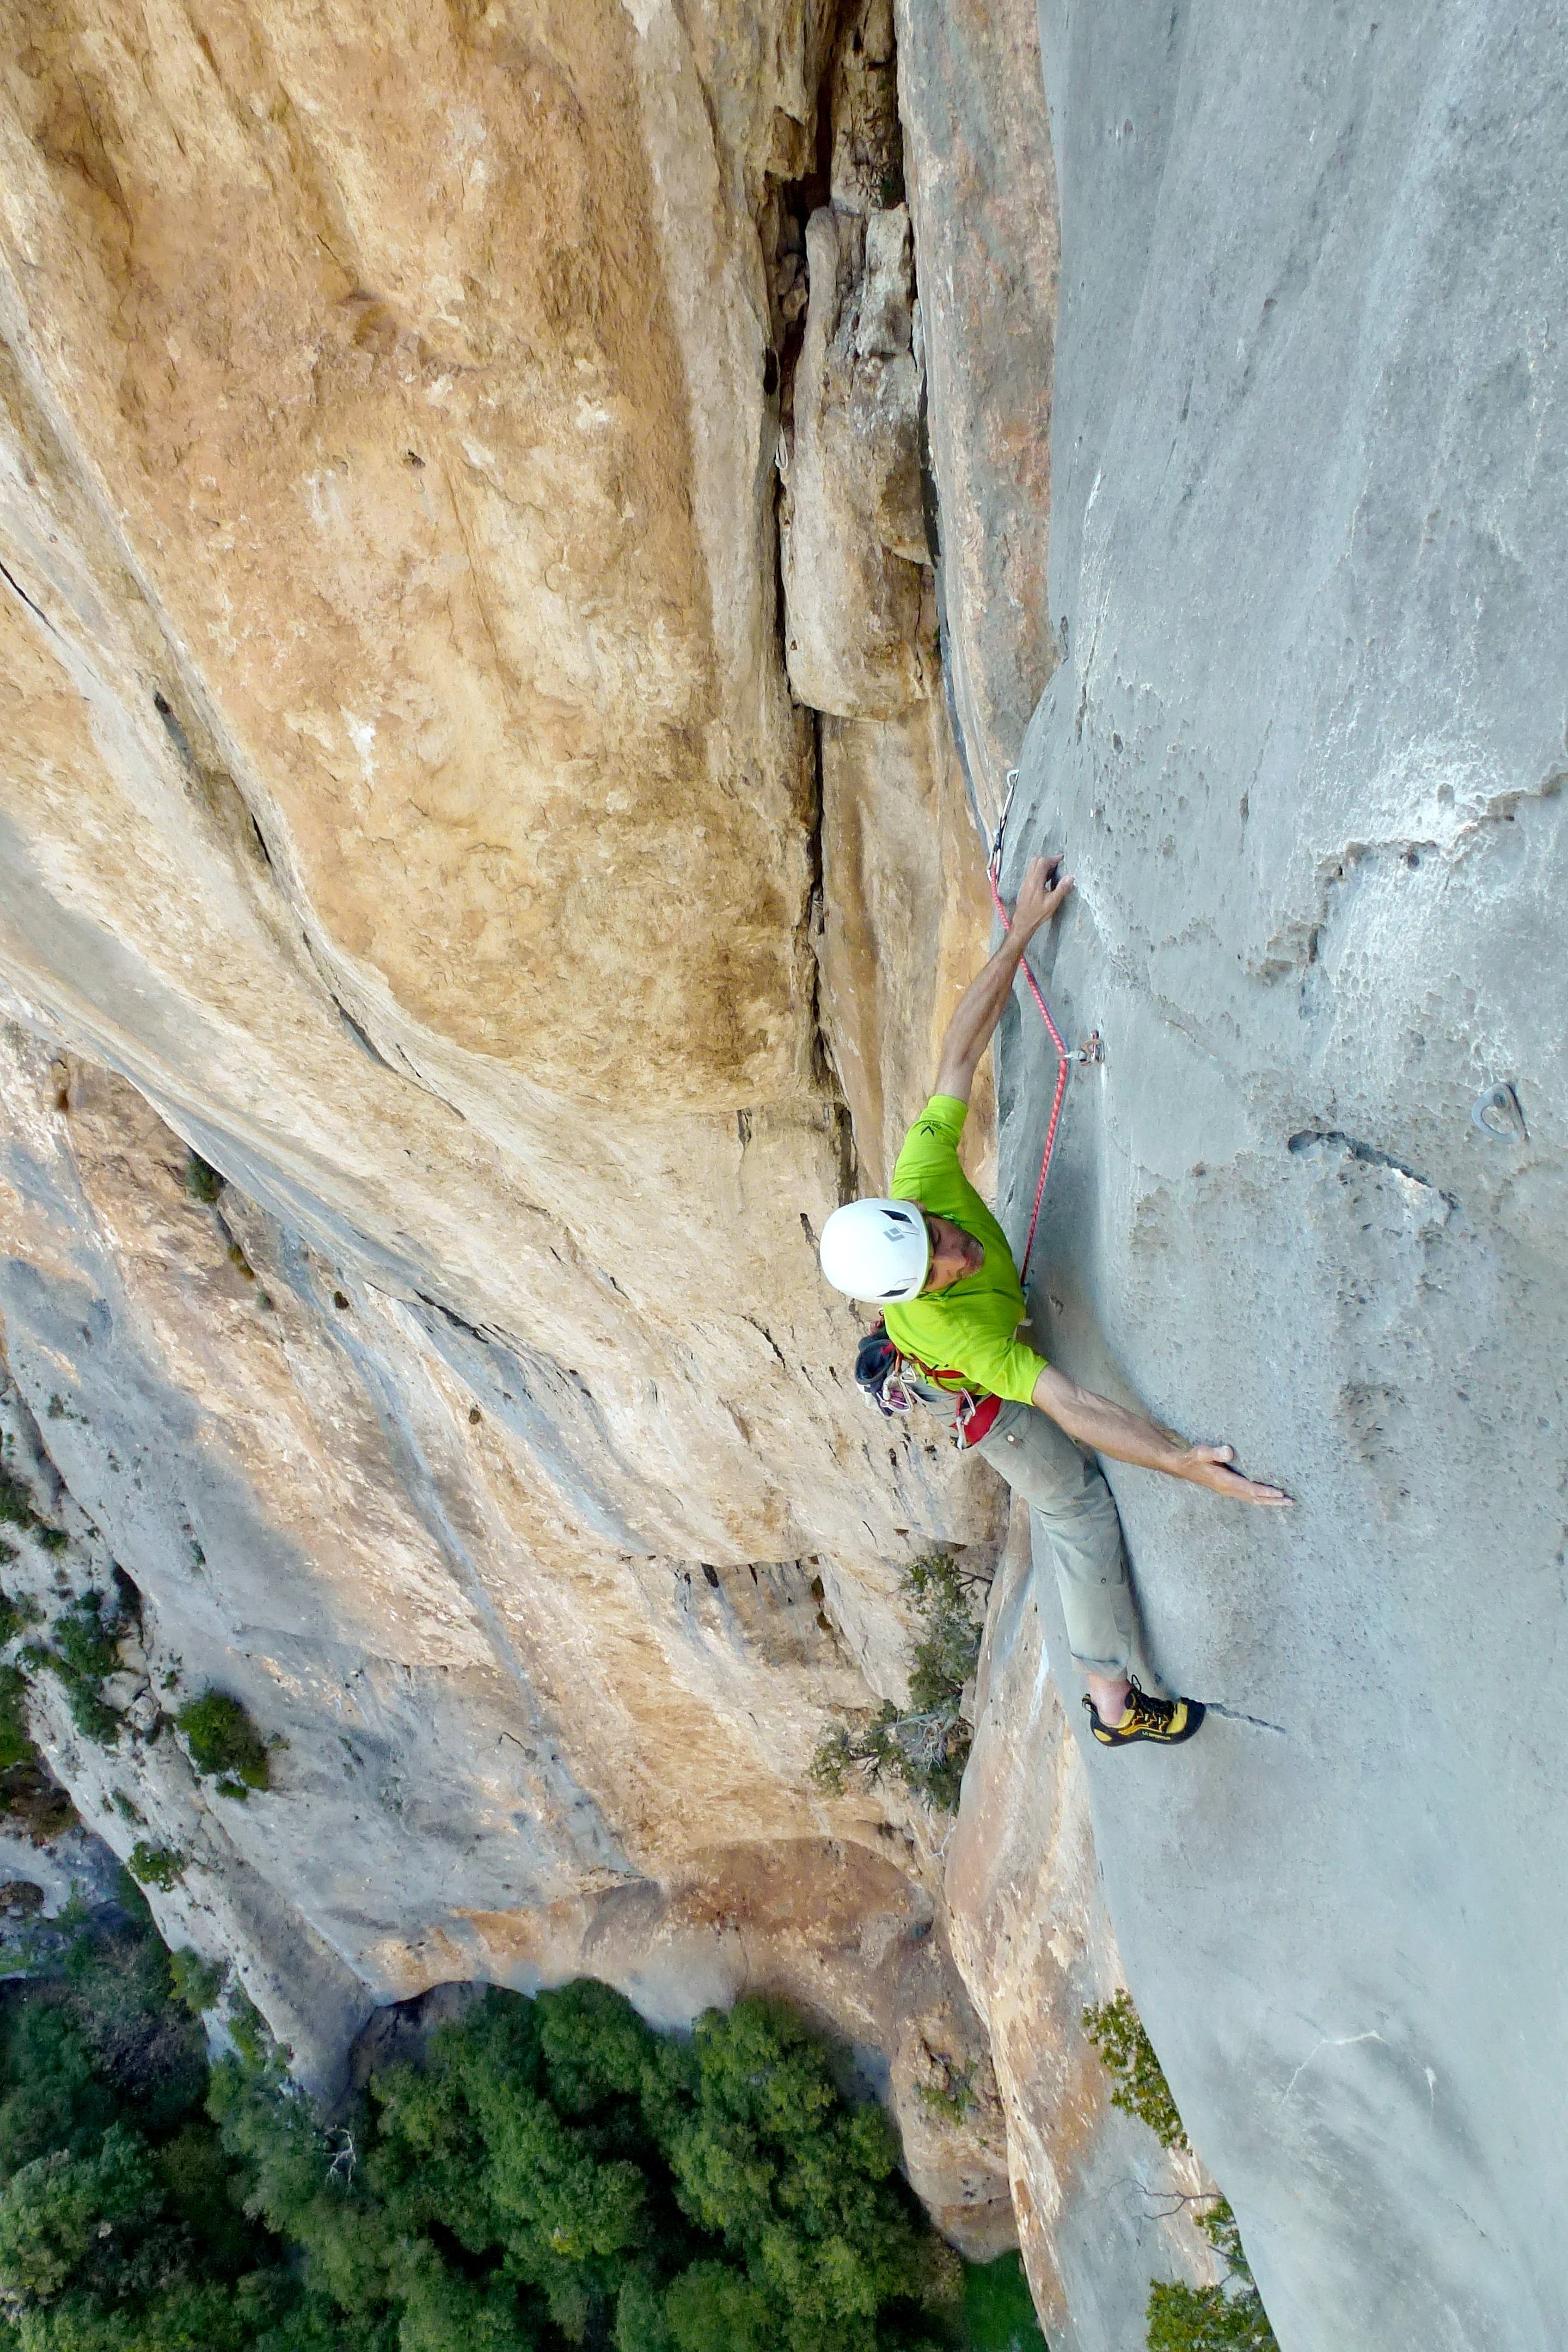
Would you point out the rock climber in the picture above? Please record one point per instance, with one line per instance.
(937, 1262)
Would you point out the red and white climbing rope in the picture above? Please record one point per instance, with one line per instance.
(993, 876)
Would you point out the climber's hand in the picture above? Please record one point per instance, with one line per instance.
(981, 1006)
(1040, 895)
(1214, 1466)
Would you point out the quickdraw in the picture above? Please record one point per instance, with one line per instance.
(879, 1374)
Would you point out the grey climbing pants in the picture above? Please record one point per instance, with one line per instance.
(1070, 1505)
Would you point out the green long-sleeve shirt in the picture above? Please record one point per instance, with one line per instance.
(964, 1334)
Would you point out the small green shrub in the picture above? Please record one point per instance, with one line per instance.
(925, 1745)
(202, 1181)
(247, 2031)
(1128, 2056)
(31, 1800)
(53, 1539)
(1184, 2319)
(82, 1652)
(953, 2097)
(15, 1614)
(1229, 2318)
(15, 1502)
(198, 1982)
(86, 1642)
(16, 1746)
(223, 1740)
(155, 1865)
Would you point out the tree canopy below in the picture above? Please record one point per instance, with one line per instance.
(553, 2174)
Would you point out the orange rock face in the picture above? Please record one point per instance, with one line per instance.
(402, 803)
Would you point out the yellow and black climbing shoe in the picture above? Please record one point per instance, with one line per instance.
(1167, 1721)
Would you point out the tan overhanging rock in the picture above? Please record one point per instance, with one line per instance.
(404, 801)
(506, 1747)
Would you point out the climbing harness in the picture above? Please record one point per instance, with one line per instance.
(880, 1376)
(1091, 1052)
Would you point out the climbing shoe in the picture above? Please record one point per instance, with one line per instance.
(1168, 1721)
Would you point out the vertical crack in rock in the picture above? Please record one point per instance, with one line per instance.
(898, 912)
(859, 635)
(825, 1065)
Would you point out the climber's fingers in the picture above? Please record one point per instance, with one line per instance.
(1041, 892)
(1213, 1468)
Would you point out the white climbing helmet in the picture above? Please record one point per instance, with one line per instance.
(877, 1249)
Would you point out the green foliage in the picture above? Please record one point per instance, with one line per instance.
(54, 2210)
(17, 1613)
(223, 1740)
(1184, 2319)
(17, 1511)
(32, 1801)
(15, 1502)
(132, 1902)
(712, 2308)
(196, 1982)
(925, 1745)
(553, 2174)
(85, 1640)
(953, 2097)
(202, 1181)
(1225, 2318)
(30, 1798)
(1128, 2055)
(1221, 2229)
(81, 1653)
(52, 2096)
(247, 2031)
(118, 2229)
(15, 1747)
(998, 2309)
(155, 1865)
(558, 2173)
(123, 1988)
(1181, 2318)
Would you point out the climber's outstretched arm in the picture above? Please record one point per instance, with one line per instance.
(1127, 1437)
(981, 1004)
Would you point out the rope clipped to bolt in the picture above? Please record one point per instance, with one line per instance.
(993, 876)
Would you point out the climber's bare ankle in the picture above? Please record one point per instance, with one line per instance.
(1110, 1696)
